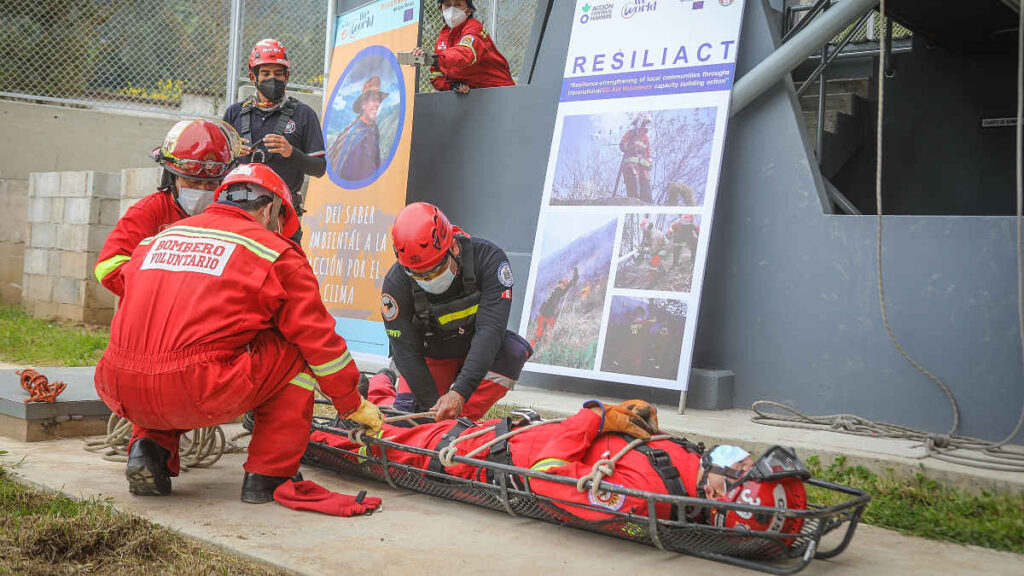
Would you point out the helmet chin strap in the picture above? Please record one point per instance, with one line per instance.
(275, 210)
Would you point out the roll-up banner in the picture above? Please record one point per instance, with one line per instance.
(622, 236)
(367, 124)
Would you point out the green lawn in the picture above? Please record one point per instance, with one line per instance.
(923, 507)
(44, 533)
(36, 342)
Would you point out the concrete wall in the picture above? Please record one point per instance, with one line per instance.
(790, 300)
(69, 217)
(57, 138)
(13, 203)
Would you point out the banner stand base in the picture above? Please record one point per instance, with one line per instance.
(682, 402)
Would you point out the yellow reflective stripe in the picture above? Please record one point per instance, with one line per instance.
(303, 380)
(103, 269)
(248, 243)
(548, 463)
(333, 366)
(459, 315)
(470, 46)
(364, 450)
(436, 74)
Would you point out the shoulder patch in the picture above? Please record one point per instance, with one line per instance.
(467, 40)
(505, 274)
(609, 500)
(289, 127)
(388, 307)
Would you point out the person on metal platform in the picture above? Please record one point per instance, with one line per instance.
(278, 130)
(465, 55)
(195, 155)
(445, 305)
(221, 315)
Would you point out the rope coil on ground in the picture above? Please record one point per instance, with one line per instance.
(199, 448)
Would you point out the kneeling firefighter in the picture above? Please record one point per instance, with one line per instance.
(221, 315)
(445, 306)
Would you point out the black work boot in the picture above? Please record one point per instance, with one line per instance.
(259, 489)
(147, 472)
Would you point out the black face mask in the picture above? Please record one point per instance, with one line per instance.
(271, 88)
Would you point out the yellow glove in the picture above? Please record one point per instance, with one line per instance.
(368, 415)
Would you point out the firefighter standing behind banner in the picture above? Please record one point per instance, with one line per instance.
(195, 156)
(465, 55)
(277, 129)
(445, 305)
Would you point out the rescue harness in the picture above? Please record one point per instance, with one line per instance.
(454, 317)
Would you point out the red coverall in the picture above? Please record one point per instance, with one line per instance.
(222, 316)
(467, 54)
(145, 218)
(569, 448)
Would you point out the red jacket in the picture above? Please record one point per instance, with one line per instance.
(145, 218)
(214, 281)
(569, 448)
(467, 54)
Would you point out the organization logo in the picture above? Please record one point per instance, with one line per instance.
(638, 7)
(725, 2)
(597, 12)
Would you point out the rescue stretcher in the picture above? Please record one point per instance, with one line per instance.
(772, 552)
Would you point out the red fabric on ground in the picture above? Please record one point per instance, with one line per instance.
(308, 495)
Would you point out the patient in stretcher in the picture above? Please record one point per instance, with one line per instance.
(571, 448)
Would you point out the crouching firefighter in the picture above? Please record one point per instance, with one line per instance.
(221, 315)
(445, 305)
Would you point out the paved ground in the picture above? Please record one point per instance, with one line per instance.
(417, 534)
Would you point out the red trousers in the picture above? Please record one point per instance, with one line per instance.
(544, 323)
(492, 388)
(166, 395)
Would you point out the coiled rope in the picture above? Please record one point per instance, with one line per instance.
(949, 447)
(199, 448)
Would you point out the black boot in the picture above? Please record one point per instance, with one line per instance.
(259, 489)
(147, 469)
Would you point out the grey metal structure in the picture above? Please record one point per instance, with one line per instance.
(790, 301)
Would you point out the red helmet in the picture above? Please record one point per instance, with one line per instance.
(199, 149)
(787, 493)
(268, 51)
(250, 181)
(645, 224)
(422, 236)
(688, 218)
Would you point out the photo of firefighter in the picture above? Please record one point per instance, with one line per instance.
(364, 116)
(657, 252)
(645, 337)
(568, 297)
(656, 158)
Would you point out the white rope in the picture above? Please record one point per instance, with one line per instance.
(199, 448)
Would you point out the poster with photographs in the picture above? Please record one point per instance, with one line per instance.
(629, 195)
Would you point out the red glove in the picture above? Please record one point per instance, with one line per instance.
(308, 495)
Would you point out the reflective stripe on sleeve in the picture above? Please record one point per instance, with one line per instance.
(458, 315)
(548, 463)
(333, 366)
(103, 269)
(303, 380)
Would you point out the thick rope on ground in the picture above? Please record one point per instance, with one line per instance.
(200, 448)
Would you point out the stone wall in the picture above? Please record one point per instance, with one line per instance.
(70, 215)
(13, 200)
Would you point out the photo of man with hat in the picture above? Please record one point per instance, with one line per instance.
(355, 154)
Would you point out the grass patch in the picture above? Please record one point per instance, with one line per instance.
(923, 507)
(43, 533)
(37, 342)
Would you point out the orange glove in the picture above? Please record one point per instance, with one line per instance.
(633, 417)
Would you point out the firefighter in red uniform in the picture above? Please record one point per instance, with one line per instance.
(445, 305)
(597, 432)
(636, 159)
(195, 155)
(222, 315)
(465, 55)
(548, 314)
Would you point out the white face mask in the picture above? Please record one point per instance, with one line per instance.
(194, 200)
(440, 284)
(453, 16)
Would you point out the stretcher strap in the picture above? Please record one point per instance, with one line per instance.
(605, 467)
